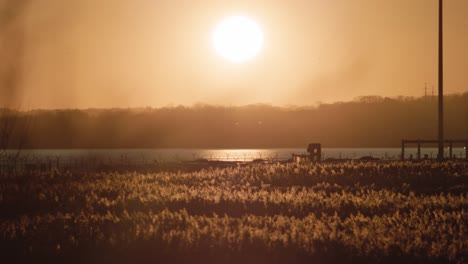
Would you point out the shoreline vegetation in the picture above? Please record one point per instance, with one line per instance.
(353, 124)
(25, 163)
(330, 212)
(101, 165)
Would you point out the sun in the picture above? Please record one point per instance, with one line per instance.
(238, 38)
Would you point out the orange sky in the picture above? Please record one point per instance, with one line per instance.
(120, 53)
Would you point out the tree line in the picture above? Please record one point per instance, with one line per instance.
(369, 121)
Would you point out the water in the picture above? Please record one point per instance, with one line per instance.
(168, 155)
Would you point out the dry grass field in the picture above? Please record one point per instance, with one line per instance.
(260, 213)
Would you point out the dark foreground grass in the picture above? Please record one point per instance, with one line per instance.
(278, 213)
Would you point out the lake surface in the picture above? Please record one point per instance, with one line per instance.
(165, 155)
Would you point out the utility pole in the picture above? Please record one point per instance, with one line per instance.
(440, 155)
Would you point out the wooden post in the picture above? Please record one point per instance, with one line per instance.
(466, 150)
(450, 149)
(440, 155)
(403, 149)
(419, 150)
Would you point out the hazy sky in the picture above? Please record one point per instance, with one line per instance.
(120, 53)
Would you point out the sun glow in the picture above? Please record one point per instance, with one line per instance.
(238, 38)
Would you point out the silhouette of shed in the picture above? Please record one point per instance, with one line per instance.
(315, 151)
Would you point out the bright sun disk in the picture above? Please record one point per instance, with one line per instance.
(238, 38)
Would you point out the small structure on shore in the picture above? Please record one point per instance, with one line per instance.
(315, 151)
(315, 154)
(299, 158)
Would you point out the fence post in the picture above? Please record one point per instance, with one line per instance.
(419, 150)
(403, 150)
(450, 149)
(466, 150)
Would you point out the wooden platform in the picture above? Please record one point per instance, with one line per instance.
(450, 142)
